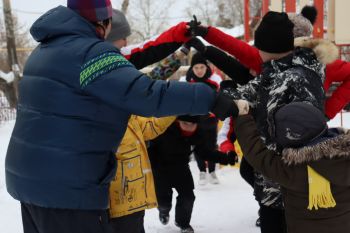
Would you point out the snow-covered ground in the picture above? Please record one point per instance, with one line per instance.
(224, 208)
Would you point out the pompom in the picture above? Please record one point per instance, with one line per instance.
(309, 12)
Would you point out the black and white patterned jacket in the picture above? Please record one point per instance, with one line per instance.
(297, 77)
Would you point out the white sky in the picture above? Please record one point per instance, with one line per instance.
(23, 9)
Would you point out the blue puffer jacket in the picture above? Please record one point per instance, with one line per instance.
(75, 100)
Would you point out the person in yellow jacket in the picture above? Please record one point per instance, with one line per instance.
(132, 191)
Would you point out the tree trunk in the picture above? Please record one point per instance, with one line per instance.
(11, 89)
(9, 92)
(125, 6)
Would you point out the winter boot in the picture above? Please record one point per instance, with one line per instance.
(186, 229)
(202, 178)
(213, 178)
(164, 218)
(257, 223)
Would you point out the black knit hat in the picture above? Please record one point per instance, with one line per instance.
(188, 118)
(198, 58)
(298, 124)
(309, 12)
(275, 33)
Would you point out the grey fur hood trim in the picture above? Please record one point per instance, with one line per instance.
(326, 51)
(336, 147)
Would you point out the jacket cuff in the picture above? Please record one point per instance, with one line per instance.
(179, 33)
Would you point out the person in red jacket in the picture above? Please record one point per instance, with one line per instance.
(200, 72)
(336, 71)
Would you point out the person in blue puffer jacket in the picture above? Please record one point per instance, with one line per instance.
(75, 99)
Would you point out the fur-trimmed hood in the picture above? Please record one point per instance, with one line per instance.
(336, 146)
(326, 51)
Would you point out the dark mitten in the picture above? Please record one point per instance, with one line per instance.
(197, 44)
(228, 84)
(232, 157)
(229, 158)
(196, 29)
(224, 107)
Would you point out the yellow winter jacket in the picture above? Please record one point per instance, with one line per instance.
(132, 190)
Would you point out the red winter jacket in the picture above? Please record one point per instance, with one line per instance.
(157, 48)
(338, 71)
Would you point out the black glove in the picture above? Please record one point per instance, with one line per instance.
(197, 44)
(196, 29)
(228, 84)
(232, 157)
(229, 158)
(224, 107)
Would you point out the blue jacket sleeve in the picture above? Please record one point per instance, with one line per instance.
(128, 89)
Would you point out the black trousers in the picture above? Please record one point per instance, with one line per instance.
(202, 164)
(208, 127)
(182, 181)
(48, 220)
(132, 223)
(272, 220)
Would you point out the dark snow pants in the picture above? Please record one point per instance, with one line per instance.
(48, 220)
(132, 223)
(209, 127)
(272, 220)
(202, 164)
(181, 179)
(247, 172)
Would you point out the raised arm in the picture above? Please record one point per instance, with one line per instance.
(153, 127)
(114, 80)
(246, 54)
(157, 48)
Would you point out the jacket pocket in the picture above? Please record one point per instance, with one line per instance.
(133, 181)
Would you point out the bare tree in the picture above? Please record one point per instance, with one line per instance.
(148, 18)
(122, 5)
(233, 11)
(125, 5)
(11, 35)
(224, 19)
(223, 13)
(204, 10)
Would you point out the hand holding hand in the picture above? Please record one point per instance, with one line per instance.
(243, 107)
(224, 107)
(196, 29)
(232, 157)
